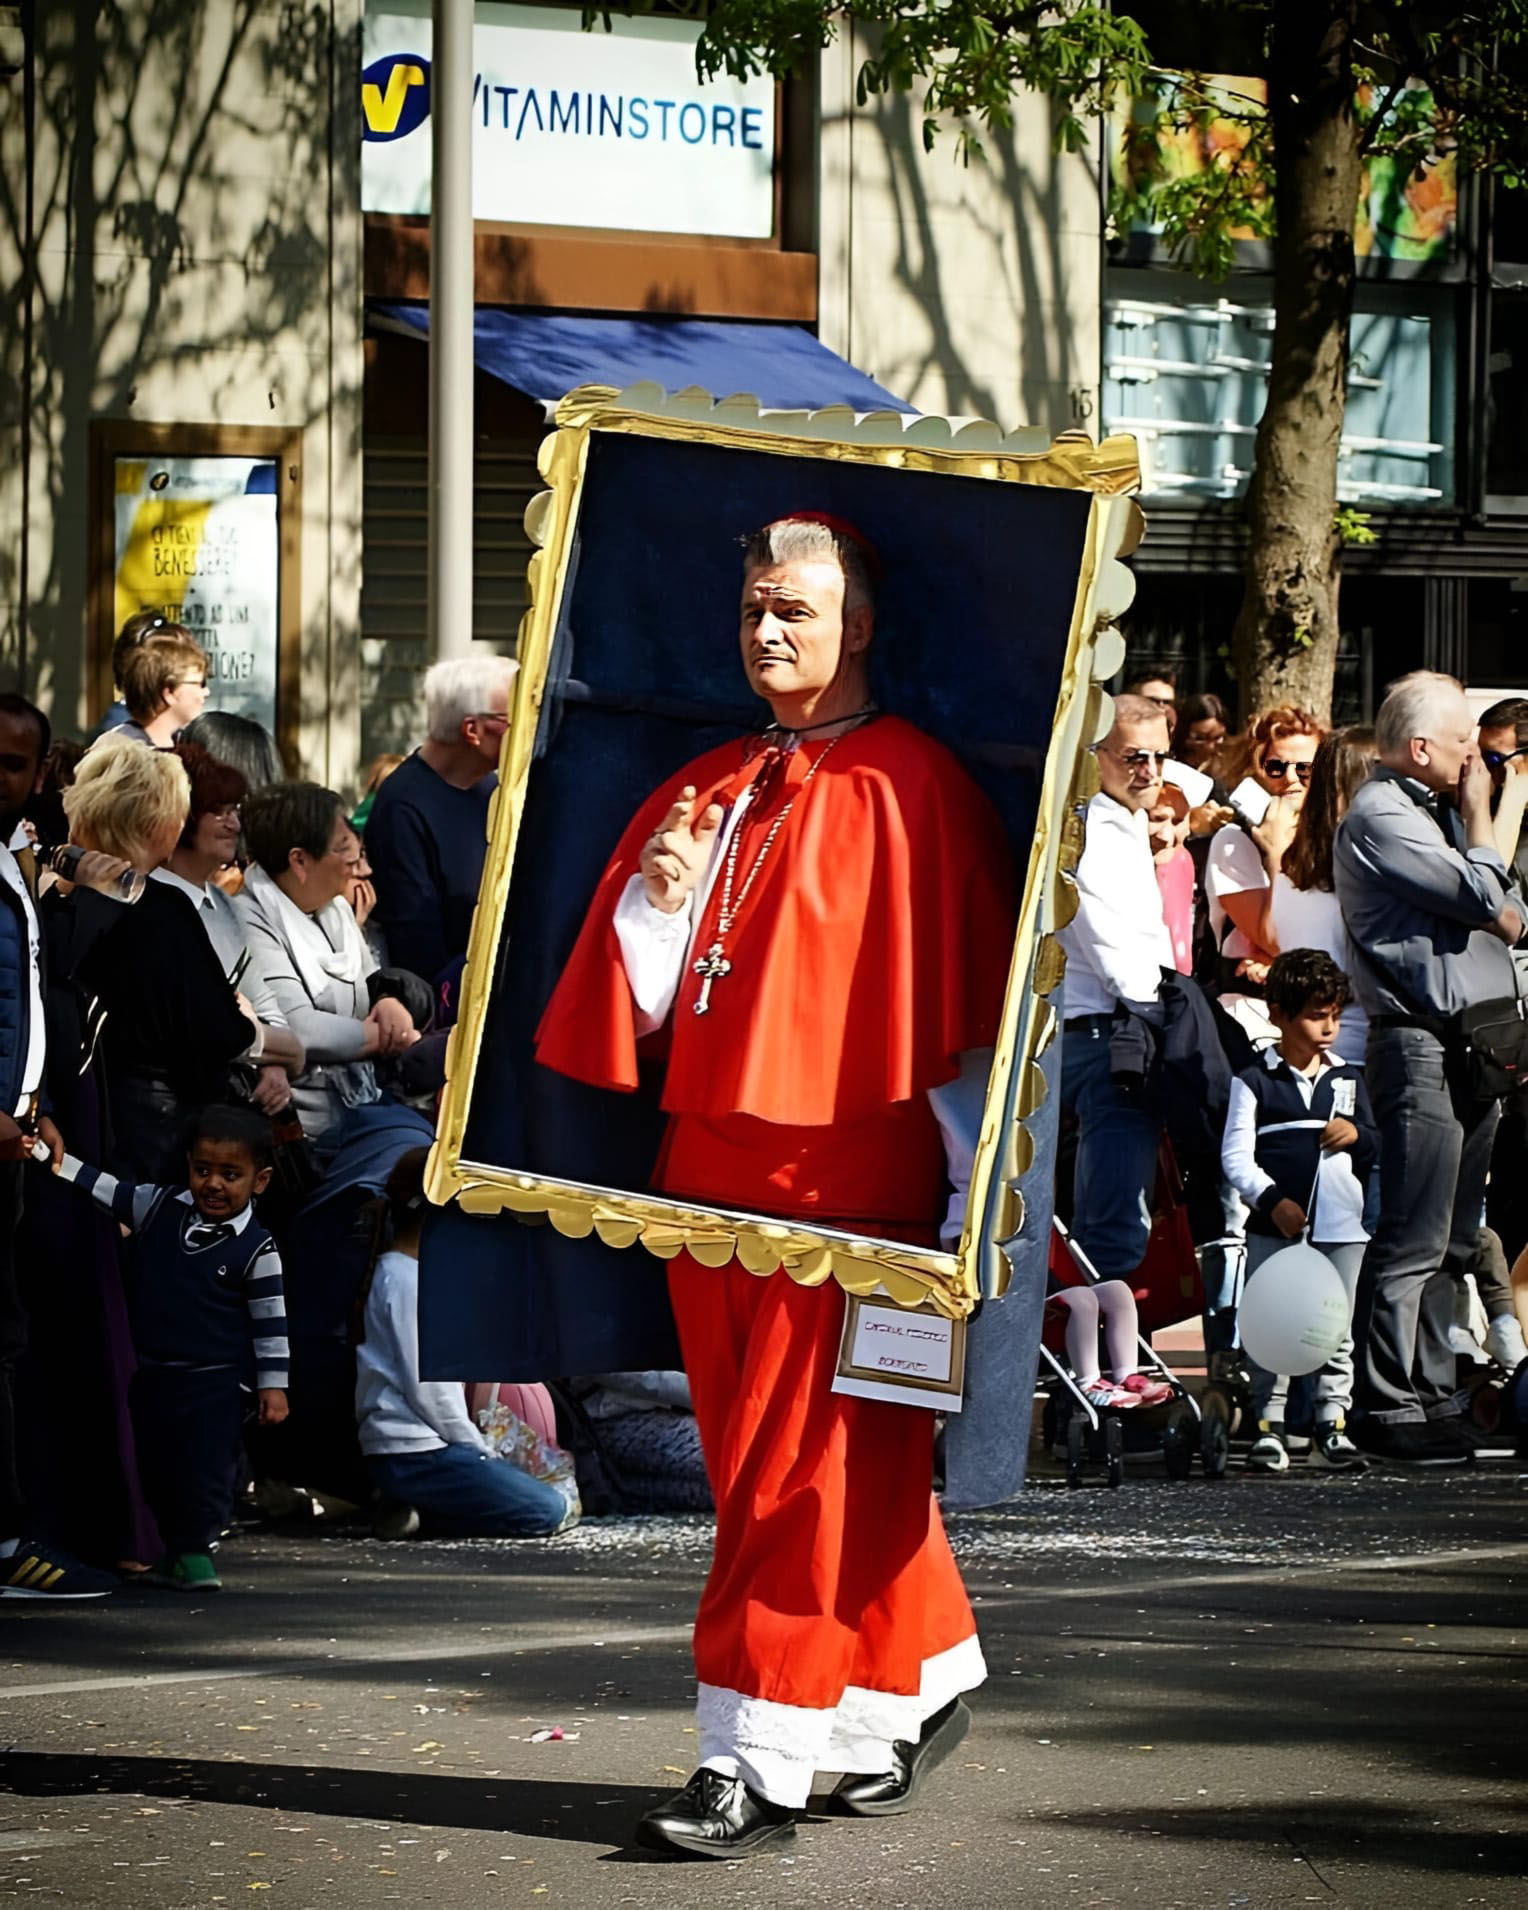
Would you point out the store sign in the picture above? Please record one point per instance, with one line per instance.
(197, 539)
(598, 129)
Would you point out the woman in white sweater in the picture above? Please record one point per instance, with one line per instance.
(307, 949)
(424, 1453)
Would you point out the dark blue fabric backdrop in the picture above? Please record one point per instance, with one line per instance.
(976, 605)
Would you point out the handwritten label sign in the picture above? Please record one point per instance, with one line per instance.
(908, 1355)
(198, 540)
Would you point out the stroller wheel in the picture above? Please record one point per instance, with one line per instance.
(1114, 1448)
(1076, 1441)
(1180, 1441)
(1214, 1438)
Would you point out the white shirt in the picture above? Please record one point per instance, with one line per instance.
(1337, 1213)
(1312, 918)
(1234, 866)
(396, 1410)
(655, 948)
(1117, 943)
(37, 1032)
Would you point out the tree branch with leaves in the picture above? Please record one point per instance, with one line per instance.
(1338, 85)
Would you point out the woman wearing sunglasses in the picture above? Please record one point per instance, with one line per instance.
(1277, 752)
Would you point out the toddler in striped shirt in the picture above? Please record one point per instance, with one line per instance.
(209, 1321)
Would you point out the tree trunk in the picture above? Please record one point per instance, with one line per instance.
(1285, 642)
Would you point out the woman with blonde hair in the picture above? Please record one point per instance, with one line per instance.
(173, 1023)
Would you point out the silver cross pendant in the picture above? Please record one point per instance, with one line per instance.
(710, 967)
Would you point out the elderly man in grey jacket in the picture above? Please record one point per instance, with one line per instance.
(1433, 917)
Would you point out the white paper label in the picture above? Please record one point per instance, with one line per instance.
(902, 1345)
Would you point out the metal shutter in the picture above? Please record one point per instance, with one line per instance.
(394, 520)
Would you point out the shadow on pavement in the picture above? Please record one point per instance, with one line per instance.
(1329, 1836)
(571, 1811)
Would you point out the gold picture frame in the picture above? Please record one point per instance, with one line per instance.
(952, 1282)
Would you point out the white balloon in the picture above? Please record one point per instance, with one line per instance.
(1294, 1311)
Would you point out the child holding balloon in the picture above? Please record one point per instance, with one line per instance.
(1300, 1144)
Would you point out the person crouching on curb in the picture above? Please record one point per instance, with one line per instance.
(208, 1317)
(432, 1467)
(1300, 1144)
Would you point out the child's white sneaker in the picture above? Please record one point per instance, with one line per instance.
(1331, 1447)
(1269, 1453)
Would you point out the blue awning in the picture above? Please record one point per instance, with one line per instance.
(545, 354)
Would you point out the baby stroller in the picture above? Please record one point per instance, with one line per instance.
(1167, 1289)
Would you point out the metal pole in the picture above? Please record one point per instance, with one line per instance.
(451, 312)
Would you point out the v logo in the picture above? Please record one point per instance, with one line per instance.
(384, 110)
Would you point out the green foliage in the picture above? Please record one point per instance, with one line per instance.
(1353, 527)
(1433, 79)
(970, 57)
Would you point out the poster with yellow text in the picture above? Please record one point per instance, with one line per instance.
(198, 540)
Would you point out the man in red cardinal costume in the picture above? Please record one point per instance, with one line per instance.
(815, 928)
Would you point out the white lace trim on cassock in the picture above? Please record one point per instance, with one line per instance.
(778, 1748)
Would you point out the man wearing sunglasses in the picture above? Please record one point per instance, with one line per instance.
(1116, 946)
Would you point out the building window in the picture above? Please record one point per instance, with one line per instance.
(1507, 362)
(1187, 375)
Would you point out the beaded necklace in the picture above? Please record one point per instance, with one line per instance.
(714, 965)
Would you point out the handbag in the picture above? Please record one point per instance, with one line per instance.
(1496, 1044)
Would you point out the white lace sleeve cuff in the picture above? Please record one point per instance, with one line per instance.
(653, 948)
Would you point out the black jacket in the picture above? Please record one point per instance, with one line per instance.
(1167, 1056)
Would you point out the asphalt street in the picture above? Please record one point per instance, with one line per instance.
(1265, 1692)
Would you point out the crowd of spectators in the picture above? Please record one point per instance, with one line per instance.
(225, 997)
(1359, 944)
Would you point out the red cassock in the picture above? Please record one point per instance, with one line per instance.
(870, 953)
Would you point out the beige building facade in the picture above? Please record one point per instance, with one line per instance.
(189, 269)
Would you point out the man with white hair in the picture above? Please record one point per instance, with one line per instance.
(1432, 916)
(428, 828)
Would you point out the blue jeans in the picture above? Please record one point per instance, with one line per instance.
(1116, 1154)
(460, 1492)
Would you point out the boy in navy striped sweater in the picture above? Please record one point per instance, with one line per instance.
(1300, 1144)
(208, 1317)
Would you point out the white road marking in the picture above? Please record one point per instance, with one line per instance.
(507, 1645)
(590, 1638)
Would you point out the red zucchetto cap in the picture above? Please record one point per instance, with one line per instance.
(841, 527)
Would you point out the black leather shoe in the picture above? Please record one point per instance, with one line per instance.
(716, 1816)
(887, 1792)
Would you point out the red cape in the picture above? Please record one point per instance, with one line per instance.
(872, 951)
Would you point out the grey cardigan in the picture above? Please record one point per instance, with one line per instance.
(328, 1020)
